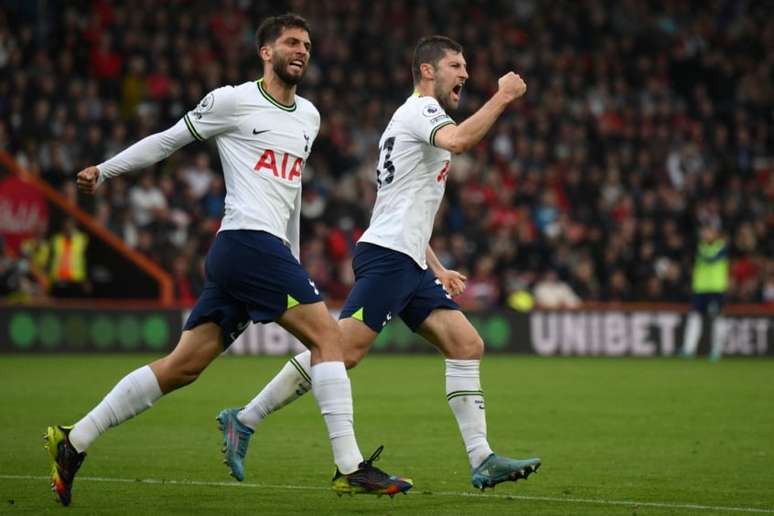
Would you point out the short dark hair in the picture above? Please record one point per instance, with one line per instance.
(431, 49)
(271, 28)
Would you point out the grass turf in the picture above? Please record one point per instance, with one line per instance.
(659, 431)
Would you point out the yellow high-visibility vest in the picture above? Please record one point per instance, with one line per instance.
(710, 271)
(68, 260)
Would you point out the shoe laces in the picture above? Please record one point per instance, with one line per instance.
(374, 457)
(243, 437)
(370, 473)
(69, 459)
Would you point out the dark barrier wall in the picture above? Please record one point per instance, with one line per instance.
(634, 334)
(44, 330)
(581, 333)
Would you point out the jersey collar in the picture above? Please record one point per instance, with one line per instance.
(272, 100)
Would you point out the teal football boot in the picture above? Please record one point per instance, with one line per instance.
(496, 469)
(236, 437)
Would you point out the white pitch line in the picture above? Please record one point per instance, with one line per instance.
(628, 503)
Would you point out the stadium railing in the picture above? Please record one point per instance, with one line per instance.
(133, 275)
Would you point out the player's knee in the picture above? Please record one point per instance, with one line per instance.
(352, 357)
(474, 347)
(468, 347)
(175, 373)
(327, 337)
(188, 375)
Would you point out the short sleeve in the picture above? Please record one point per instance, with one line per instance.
(213, 115)
(430, 117)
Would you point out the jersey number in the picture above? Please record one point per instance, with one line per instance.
(388, 168)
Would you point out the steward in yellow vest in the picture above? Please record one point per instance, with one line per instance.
(68, 262)
(710, 282)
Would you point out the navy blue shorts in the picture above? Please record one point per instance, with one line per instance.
(250, 276)
(389, 283)
(707, 304)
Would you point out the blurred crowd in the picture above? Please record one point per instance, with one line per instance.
(642, 121)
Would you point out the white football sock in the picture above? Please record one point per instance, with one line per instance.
(463, 392)
(719, 332)
(292, 382)
(135, 393)
(692, 334)
(333, 392)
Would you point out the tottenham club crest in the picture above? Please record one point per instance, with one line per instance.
(204, 106)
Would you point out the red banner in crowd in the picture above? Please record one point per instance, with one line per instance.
(22, 210)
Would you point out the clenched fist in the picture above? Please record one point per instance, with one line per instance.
(87, 180)
(511, 86)
(453, 282)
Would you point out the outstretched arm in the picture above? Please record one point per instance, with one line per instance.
(453, 282)
(214, 115)
(459, 138)
(144, 153)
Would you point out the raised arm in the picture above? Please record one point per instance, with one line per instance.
(715, 255)
(214, 115)
(459, 138)
(144, 153)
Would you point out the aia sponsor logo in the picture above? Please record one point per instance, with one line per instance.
(271, 162)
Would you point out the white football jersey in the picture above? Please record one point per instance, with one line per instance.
(411, 179)
(263, 147)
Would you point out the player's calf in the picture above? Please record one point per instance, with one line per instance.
(197, 348)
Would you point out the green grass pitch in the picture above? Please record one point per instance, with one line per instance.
(617, 436)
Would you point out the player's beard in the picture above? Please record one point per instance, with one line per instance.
(280, 67)
(443, 96)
